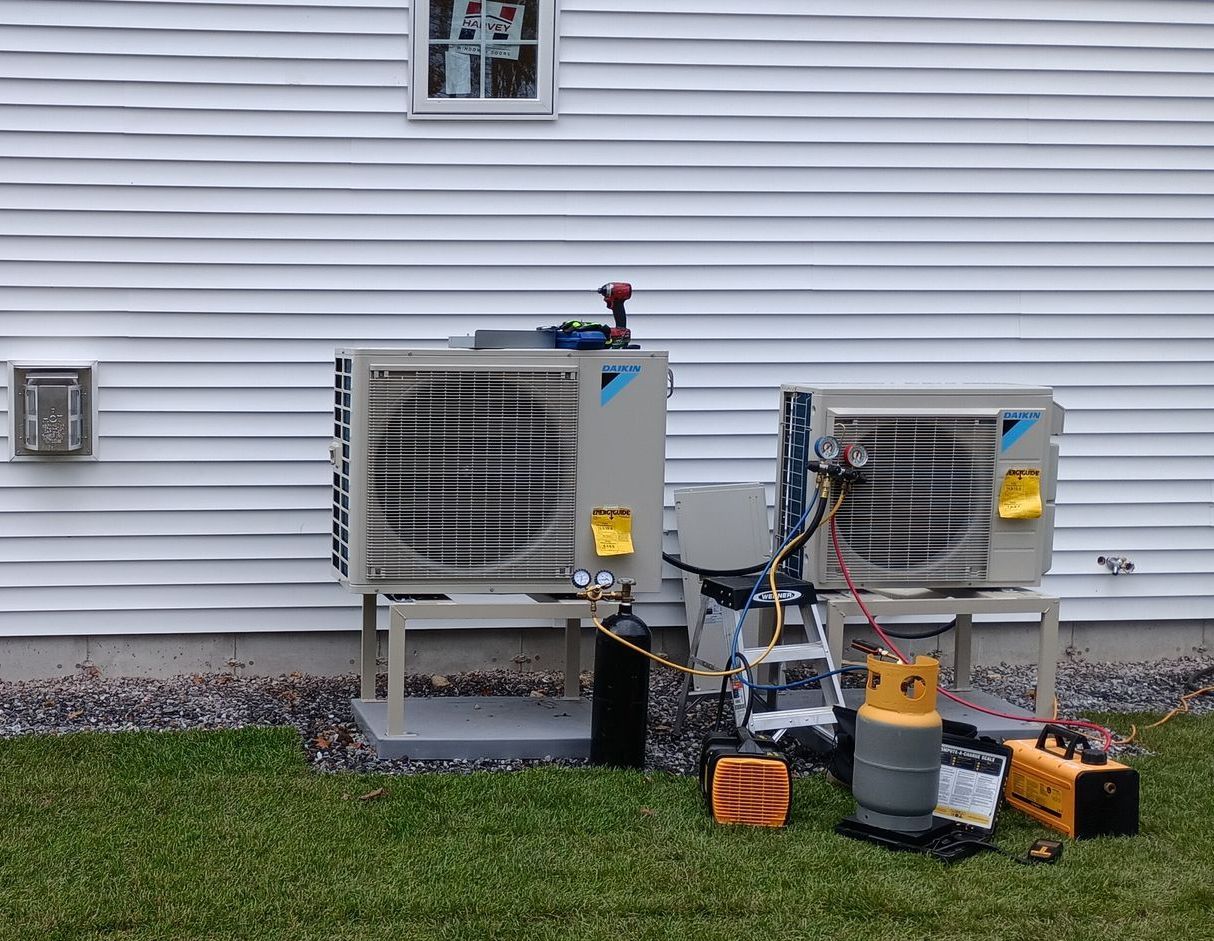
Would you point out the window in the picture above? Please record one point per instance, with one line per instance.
(483, 58)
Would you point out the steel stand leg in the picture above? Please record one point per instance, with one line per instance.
(396, 673)
(369, 643)
(963, 653)
(573, 659)
(1047, 661)
(834, 634)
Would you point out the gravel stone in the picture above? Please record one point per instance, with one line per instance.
(318, 707)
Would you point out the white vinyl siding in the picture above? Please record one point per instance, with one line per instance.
(208, 197)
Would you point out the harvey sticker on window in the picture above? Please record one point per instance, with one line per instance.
(501, 24)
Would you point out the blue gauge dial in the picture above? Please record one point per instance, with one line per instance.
(827, 448)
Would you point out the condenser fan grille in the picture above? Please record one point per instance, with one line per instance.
(471, 473)
(924, 513)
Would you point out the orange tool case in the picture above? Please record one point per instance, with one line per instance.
(1071, 786)
(744, 780)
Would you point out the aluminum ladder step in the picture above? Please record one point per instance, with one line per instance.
(814, 657)
(791, 718)
(786, 653)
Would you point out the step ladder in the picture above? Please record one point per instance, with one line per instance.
(813, 654)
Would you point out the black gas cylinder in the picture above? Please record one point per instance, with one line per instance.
(620, 708)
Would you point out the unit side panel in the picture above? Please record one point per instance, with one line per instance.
(622, 459)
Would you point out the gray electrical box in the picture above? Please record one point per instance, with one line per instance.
(52, 411)
(496, 470)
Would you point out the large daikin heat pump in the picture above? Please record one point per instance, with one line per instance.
(959, 490)
(481, 470)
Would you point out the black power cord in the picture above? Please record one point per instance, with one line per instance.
(716, 722)
(678, 563)
(931, 630)
(950, 848)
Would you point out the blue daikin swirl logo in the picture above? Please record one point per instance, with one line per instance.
(1015, 425)
(615, 378)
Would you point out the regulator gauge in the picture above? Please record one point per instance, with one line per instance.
(827, 448)
(604, 579)
(581, 578)
(856, 455)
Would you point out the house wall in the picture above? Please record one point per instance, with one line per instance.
(208, 197)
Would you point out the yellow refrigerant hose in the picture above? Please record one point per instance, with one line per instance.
(595, 594)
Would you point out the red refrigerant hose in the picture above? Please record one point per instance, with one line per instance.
(1105, 734)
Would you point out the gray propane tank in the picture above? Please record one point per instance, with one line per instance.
(898, 732)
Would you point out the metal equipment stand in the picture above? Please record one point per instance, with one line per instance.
(471, 727)
(964, 604)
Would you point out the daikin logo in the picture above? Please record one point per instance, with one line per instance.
(615, 377)
(1015, 425)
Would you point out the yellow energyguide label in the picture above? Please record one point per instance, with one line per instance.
(612, 527)
(1020, 495)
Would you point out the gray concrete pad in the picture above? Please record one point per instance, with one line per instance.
(472, 727)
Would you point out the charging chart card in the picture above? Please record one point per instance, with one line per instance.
(612, 526)
(970, 783)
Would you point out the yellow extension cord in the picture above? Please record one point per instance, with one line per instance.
(594, 594)
(1183, 706)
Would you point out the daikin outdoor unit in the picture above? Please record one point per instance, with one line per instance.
(958, 491)
(466, 471)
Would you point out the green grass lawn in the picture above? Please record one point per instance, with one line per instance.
(230, 835)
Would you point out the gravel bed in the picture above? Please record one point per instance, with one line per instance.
(319, 706)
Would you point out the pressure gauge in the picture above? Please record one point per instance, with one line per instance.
(856, 455)
(604, 579)
(581, 578)
(827, 447)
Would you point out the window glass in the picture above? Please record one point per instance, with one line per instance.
(453, 74)
(482, 44)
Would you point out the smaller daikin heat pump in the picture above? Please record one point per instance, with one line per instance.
(489, 470)
(958, 491)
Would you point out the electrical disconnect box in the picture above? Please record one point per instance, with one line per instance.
(52, 411)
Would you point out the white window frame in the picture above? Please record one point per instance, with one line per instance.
(542, 107)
